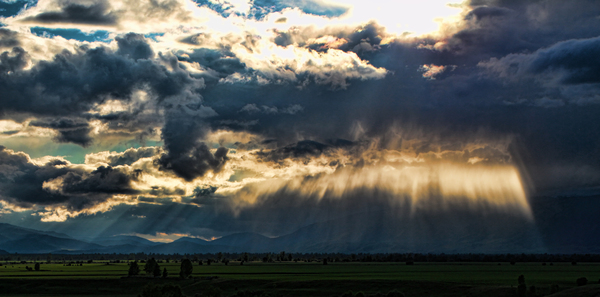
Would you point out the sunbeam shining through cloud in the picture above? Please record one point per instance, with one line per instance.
(325, 125)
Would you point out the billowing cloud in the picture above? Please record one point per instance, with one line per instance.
(77, 13)
(105, 14)
(569, 62)
(230, 113)
(68, 130)
(127, 157)
(57, 182)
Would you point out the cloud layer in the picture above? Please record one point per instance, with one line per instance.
(234, 108)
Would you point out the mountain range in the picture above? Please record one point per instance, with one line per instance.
(560, 225)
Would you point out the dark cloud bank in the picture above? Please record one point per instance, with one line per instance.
(22, 182)
(74, 13)
(527, 70)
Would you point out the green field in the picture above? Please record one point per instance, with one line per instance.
(302, 279)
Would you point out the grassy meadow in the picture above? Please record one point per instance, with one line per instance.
(301, 279)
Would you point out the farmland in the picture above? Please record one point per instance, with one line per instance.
(301, 279)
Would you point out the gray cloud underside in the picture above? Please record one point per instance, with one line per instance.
(22, 182)
(97, 14)
(86, 78)
(553, 128)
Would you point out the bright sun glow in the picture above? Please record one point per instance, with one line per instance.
(416, 17)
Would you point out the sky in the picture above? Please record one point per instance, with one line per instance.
(170, 118)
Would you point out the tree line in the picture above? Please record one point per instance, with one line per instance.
(152, 267)
(298, 257)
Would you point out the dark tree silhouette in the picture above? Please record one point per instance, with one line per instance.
(134, 269)
(186, 268)
(522, 288)
(37, 267)
(149, 267)
(165, 273)
(582, 281)
(156, 271)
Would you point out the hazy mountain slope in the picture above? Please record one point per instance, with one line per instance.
(120, 240)
(12, 232)
(40, 243)
(248, 242)
(558, 225)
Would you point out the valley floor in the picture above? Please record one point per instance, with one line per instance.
(306, 279)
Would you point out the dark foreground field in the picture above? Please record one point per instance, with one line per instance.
(307, 279)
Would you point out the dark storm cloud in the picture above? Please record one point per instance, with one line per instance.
(57, 183)
(73, 83)
(23, 183)
(186, 155)
(302, 150)
(137, 122)
(564, 72)
(480, 13)
(453, 107)
(575, 61)
(103, 180)
(86, 77)
(14, 60)
(69, 130)
(252, 108)
(162, 192)
(134, 46)
(205, 196)
(8, 38)
(220, 63)
(363, 39)
(498, 28)
(95, 14)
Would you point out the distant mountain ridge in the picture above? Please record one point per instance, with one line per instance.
(560, 225)
(11, 232)
(16, 239)
(122, 240)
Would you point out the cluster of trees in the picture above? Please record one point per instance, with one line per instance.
(152, 268)
(35, 267)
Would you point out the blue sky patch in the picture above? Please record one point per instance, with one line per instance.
(262, 8)
(153, 35)
(12, 8)
(76, 34)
